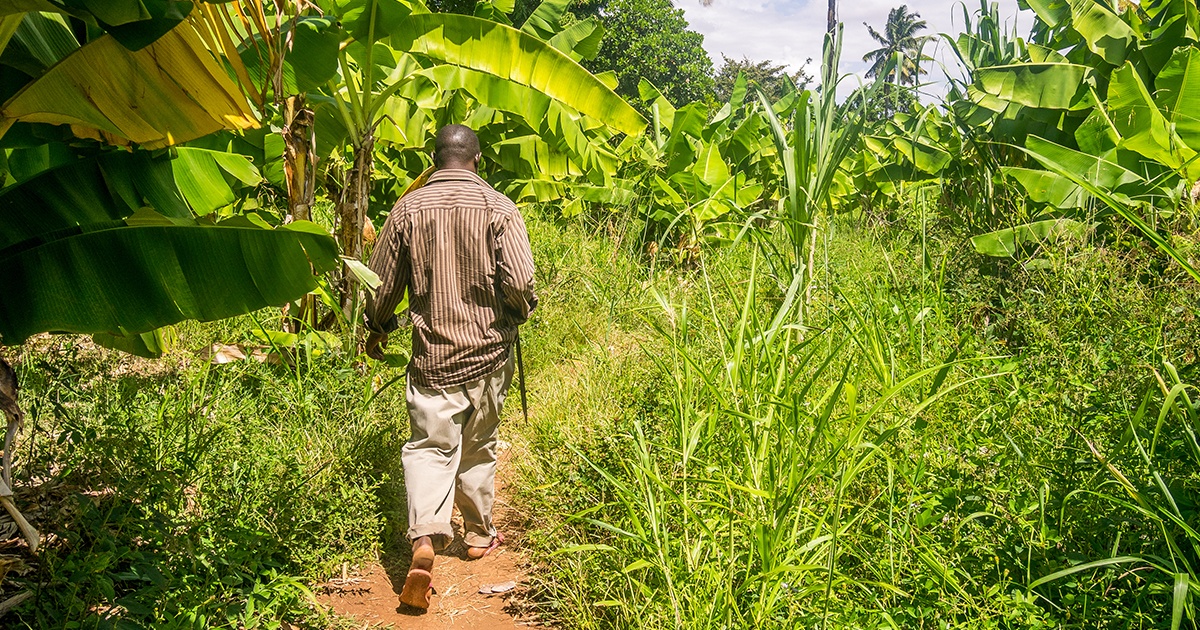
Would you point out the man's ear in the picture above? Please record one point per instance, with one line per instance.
(478, 158)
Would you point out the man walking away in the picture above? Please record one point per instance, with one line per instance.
(461, 251)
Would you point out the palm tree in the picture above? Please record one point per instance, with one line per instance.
(899, 36)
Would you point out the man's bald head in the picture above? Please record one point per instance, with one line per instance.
(456, 146)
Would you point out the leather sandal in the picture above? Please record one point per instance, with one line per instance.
(484, 552)
(417, 589)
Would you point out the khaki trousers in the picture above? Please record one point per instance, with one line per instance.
(451, 457)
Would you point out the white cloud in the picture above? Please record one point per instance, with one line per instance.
(791, 31)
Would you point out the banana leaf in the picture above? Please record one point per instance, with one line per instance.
(311, 62)
(383, 18)
(1046, 187)
(113, 186)
(1097, 134)
(920, 153)
(10, 7)
(170, 92)
(546, 20)
(1052, 12)
(1096, 170)
(618, 194)
(1178, 94)
(203, 177)
(1106, 196)
(1142, 126)
(46, 39)
(519, 57)
(151, 345)
(96, 190)
(1041, 85)
(130, 279)
(534, 190)
(1176, 23)
(710, 167)
(1007, 242)
(1105, 33)
(530, 156)
(136, 29)
(580, 40)
(495, 10)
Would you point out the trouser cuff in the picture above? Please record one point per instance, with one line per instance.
(442, 533)
(478, 540)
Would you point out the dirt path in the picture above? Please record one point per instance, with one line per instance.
(372, 595)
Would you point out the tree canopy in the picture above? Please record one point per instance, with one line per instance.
(899, 36)
(650, 39)
(769, 77)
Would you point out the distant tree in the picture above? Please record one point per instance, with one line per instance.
(650, 39)
(889, 100)
(647, 39)
(899, 36)
(766, 75)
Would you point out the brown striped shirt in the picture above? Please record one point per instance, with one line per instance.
(461, 251)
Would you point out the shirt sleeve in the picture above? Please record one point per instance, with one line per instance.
(516, 269)
(390, 261)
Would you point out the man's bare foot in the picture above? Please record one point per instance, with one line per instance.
(423, 554)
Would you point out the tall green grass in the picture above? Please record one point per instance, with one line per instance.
(919, 459)
(781, 460)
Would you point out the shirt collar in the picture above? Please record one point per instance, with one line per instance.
(456, 175)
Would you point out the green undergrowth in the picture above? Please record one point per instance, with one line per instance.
(184, 494)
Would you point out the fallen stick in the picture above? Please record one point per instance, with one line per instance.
(14, 601)
(9, 390)
(31, 535)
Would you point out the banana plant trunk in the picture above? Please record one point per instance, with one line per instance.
(300, 171)
(352, 214)
(299, 157)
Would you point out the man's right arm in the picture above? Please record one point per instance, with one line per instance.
(390, 262)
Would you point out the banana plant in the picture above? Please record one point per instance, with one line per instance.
(1052, 86)
(1138, 148)
(86, 253)
(395, 50)
(699, 167)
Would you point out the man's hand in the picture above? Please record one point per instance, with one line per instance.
(376, 342)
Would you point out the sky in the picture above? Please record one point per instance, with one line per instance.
(791, 31)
